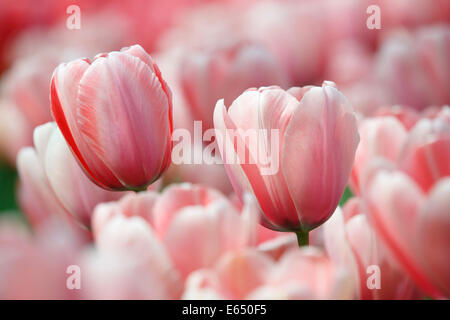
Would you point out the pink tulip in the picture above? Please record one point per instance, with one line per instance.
(352, 243)
(51, 178)
(129, 263)
(285, 29)
(34, 194)
(196, 224)
(116, 115)
(406, 115)
(414, 225)
(223, 73)
(25, 101)
(413, 13)
(426, 154)
(413, 67)
(249, 274)
(317, 139)
(349, 62)
(422, 152)
(380, 137)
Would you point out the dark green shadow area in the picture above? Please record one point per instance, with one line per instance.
(8, 177)
(347, 195)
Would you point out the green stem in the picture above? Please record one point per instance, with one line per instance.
(302, 238)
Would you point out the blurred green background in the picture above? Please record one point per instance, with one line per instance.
(8, 177)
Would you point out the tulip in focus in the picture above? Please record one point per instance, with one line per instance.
(317, 142)
(115, 113)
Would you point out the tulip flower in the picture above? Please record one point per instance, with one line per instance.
(422, 152)
(115, 113)
(352, 243)
(311, 133)
(380, 137)
(414, 66)
(129, 263)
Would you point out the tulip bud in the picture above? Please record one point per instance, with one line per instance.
(115, 113)
(310, 132)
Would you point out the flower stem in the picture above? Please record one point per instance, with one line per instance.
(302, 238)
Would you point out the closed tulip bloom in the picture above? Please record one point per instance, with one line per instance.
(115, 113)
(314, 143)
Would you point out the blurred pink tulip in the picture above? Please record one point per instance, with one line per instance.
(25, 102)
(413, 67)
(249, 274)
(380, 137)
(51, 178)
(196, 224)
(352, 243)
(317, 139)
(414, 225)
(349, 62)
(425, 156)
(116, 115)
(129, 262)
(285, 29)
(223, 73)
(34, 194)
(413, 13)
(423, 152)
(406, 115)
(34, 266)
